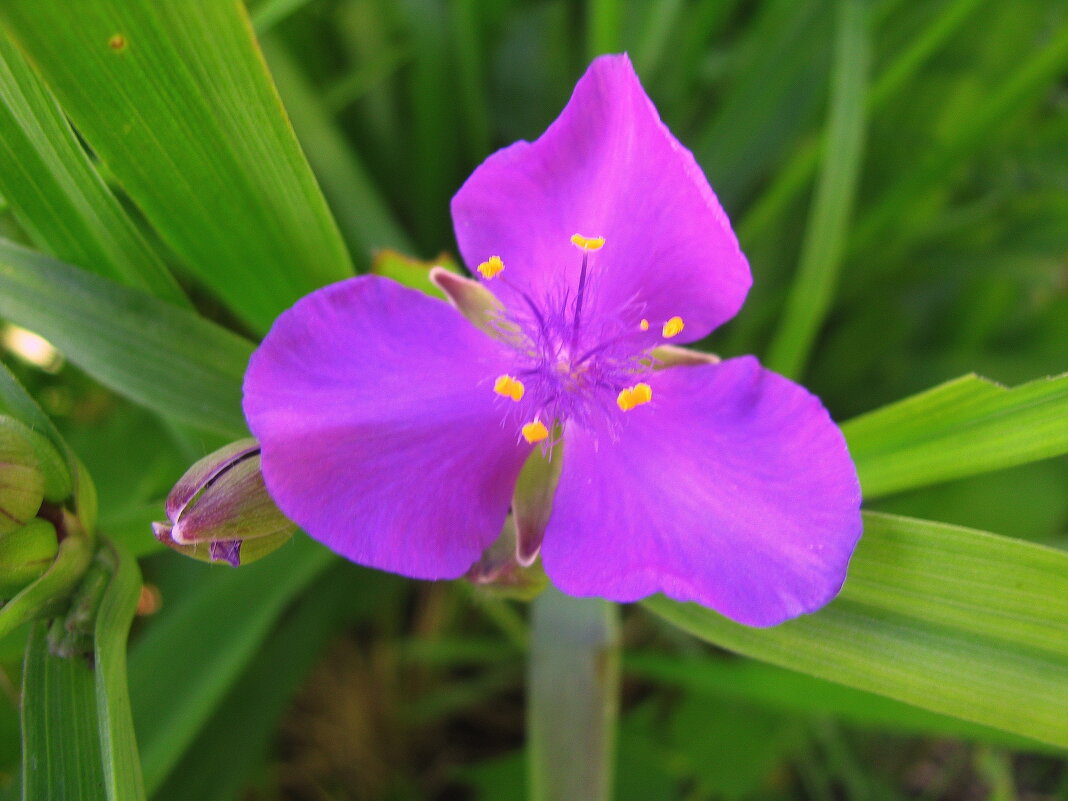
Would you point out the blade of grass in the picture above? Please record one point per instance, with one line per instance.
(269, 13)
(783, 689)
(604, 28)
(188, 659)
(660, 17)
(776, 84)
(61, 759)
(175, 99)
(164, 357)
(365, 219)
(434, 130)
(1003, 103)
(825, 237)
(957, 621)
(57, 196)
(242, 727)
(794, 177)
(469, 57)
(961, 428)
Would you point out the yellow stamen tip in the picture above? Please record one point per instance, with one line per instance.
(634, 396)
(587, 242)
(673, 327)
(509, 387)
(491, 267)
(644, 325)
(535, 432)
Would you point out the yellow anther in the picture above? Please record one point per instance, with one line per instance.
(644, 325)
(535, 432)
(491, 267)
(673, 327)
(509, 387)
(634, 396)
(587, 242)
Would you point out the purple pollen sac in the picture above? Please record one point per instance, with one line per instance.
(402, 431)
(569, 367)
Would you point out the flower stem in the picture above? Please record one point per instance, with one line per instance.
(573, 697)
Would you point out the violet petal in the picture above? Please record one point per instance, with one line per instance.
(380, 432)
(732, 488)
(606, 167)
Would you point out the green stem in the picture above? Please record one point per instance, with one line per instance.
(573, 697)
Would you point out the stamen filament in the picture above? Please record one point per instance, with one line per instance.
(578, 298)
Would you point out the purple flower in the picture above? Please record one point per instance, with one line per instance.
(394, 429)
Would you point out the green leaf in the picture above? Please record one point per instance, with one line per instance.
(190, 656)
(797, 693)
(163, 357)
(118, 743)
(61, 759)
(175, 99)
(949, 619)
(966, 426)
(824, 246)
(57, 196)
(365, 219)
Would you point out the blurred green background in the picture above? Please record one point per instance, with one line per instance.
(910, 158)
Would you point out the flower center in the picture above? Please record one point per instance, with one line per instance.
(574, 364)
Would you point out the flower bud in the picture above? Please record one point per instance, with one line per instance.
(25, 554)
(220, 511)
(21, 480)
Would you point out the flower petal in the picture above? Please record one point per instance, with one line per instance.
(607, 167)
(732, 488)
(373, 405)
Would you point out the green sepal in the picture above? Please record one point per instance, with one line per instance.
(411, 272)
(58, 485)
(498, 574)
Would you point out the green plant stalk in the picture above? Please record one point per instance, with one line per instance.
(118, 743)
(573, 697)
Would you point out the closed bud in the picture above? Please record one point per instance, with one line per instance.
(22, 482)
(220, 511)
(25, 554)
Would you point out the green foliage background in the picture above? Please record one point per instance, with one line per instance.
(898, 175)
